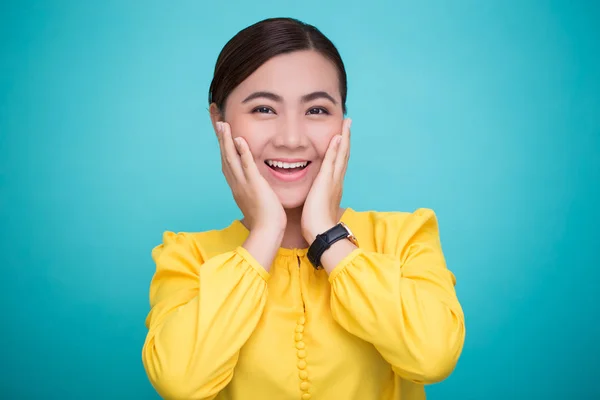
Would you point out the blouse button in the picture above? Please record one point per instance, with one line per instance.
(301, 364)
(303, 375)
(305, 396)
(299, 337)
(304, 386)
(300, 345)
(299, 329)
(301, 320)
(301, 353)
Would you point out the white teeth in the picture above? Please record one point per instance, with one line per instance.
(285, 165)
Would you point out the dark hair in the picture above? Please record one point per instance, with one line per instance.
(253, 46)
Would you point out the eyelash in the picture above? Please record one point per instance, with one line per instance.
(320, 110)
(257, 109)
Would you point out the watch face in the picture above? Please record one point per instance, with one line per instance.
(351, 236)
(348, 229)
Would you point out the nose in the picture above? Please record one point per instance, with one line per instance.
(290, 134)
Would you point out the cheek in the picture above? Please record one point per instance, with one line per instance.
(322, 138)
(255, 133)
(322, 145)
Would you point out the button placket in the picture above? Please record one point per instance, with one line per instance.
(301, 354)
(301, 344)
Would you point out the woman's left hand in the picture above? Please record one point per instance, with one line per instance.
(322, 204)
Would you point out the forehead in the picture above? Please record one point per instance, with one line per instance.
(293, 75)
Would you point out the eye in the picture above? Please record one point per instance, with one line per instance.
(263, 110)
(317, 110)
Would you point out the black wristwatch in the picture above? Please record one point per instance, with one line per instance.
(324, 241)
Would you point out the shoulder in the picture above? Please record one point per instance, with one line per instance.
(393, 229)
(392, 220)
(201, 244)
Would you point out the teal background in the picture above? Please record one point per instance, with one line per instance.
(487, 112)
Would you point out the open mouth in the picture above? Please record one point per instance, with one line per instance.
(287, 167)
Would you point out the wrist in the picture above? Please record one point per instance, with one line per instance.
(263, 245)
(310, 234)
(268, 234)
(331, 239)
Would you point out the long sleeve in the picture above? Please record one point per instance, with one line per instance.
(400, 297)
(202, 312)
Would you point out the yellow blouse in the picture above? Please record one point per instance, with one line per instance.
(383, 324)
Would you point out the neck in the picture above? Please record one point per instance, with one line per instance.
(292, 238)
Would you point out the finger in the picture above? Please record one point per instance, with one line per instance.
(222, 149)
(220, 139)
(328, 161)
(247, 160)
(343, 153)
(224, 167)
(231, 157)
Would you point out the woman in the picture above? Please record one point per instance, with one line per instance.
(288, 303)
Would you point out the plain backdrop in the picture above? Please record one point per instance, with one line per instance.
(488, 112)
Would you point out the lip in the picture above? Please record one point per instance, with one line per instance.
(287, 177)
(288, 160)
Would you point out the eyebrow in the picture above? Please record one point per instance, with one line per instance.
(275, 97)
(264, 95)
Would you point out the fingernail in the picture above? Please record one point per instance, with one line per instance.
(349, 123)
(219, 126)
(338, 140)
(237, 142)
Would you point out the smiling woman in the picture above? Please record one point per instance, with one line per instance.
(301, 298)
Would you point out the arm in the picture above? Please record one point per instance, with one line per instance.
(202, 313)
(401, 298)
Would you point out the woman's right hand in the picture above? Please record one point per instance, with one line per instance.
(263, 212)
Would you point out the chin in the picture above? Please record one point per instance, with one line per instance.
(291, 199)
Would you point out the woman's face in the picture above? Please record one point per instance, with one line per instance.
(288, 110)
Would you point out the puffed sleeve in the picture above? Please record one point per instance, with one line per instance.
(401, 298)
(202, 312)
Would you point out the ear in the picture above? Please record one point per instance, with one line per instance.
(215, 115)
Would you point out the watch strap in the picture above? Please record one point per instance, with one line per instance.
(323, 242)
